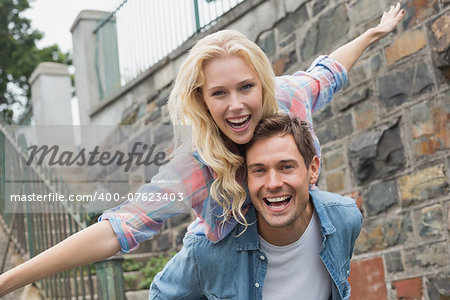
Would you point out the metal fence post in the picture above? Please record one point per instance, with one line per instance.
(110, 283)
(197, 16)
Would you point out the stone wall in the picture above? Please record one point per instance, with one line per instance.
(385, 137)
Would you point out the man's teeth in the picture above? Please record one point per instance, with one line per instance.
(237, 121)
(278, 199)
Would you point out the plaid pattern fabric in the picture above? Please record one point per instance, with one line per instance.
(300, 94)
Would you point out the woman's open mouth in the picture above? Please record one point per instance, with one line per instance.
(240, 123)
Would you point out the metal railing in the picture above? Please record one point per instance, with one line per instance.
(32, 233)
(147, 31)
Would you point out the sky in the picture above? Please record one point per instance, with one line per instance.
(55, 17)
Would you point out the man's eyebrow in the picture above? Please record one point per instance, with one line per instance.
(255, 165)
(288, 161)
(283, 161)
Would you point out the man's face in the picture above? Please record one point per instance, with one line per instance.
(278, 181)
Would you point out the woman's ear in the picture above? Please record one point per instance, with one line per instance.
(313, 170)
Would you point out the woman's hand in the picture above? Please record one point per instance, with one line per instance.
(349, 53)
(389, 20)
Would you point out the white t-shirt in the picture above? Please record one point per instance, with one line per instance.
(295, 271)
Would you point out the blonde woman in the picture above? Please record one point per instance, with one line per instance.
(223, 89)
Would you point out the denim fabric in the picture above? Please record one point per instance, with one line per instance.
(235, 267)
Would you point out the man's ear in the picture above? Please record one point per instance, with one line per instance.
(313, 170)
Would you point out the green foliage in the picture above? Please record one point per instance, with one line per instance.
(154, 265)
(130, 265)
(19, 55)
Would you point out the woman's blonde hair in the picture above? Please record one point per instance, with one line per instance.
(187, 107)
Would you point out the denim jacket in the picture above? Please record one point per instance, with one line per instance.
(235, 267)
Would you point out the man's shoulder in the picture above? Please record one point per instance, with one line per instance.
(336, 209)
(332, 199)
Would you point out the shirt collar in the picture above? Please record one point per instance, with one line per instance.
(248, 240)
(325, 222)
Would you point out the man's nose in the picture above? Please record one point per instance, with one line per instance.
(273, 180)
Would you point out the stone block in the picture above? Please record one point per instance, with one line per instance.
(394, 262)
(438, 286)
(150, 171)
(182, 219)
(376, 154)
(351, 97)
(404, 45)
(308, 48)
(426, 256)
(380, 197)
(335, 181)
(339, 128)
(431, 222)
(383, 234)
(440, 42)
(364, 10)
(324, 34)
(333, 161)
(422, 185)
(396, 87)
(365, 69)
(367, 279)
(163, 135)
(411, 288)
(291, 61)
(180, 237)
(163, 95)
(279, 65)
(365, 115)
(322, 115)
(289, 41)
(292, 22)
(332, 26)
(163, 242)
(266, 41)
(154, 115)
(319, 6)
(150, 107)
(418, 11)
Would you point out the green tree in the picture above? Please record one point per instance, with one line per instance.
(19, 55)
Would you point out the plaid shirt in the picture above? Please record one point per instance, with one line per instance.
(187, 176)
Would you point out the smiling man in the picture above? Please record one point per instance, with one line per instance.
(299, 243)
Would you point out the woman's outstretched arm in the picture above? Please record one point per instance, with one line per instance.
(92, 244)
(349, 53)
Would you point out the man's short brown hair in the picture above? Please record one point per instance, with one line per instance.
(284, 124)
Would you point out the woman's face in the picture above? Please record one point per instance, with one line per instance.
(233, 95)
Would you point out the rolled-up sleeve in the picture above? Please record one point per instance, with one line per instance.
(311, 90)
(177, 188)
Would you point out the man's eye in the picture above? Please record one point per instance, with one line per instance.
(247, 86)
(287, 167)
(257, 170)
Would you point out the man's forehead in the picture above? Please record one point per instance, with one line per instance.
(277, 148)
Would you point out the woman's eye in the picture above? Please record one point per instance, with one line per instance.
(247, 86)
(217, 93)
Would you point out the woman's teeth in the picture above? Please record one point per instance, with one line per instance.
(238, 123)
